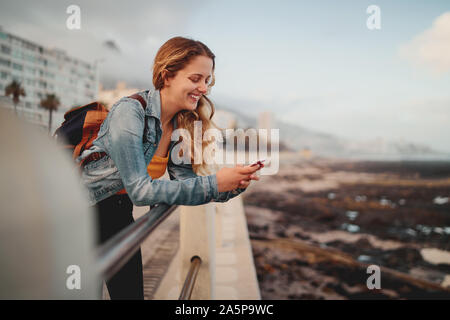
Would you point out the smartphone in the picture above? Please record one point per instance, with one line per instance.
(260, 162)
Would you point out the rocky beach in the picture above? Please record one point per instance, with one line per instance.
(318, 224)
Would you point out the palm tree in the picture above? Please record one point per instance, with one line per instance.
(51, 103)
(16, 90)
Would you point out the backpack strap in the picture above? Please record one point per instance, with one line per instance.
(139, 98)
(143, 103)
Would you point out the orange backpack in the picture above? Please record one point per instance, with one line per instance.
(81, 126)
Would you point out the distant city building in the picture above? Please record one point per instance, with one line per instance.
(224, 119)
(44, 71)
(306, 153)
(109, 97)
(265, 121)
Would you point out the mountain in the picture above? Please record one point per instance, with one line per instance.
(297, 138)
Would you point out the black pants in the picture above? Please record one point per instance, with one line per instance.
(114, 214)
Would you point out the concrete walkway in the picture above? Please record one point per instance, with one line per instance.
(235, 269)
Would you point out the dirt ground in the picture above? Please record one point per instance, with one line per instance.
(317, 225)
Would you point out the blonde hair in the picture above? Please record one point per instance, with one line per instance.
(173, 56)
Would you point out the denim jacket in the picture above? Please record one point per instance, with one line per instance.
(128, 153)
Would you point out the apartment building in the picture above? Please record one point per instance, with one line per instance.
(43, 70)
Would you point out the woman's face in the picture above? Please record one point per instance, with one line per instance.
(190, 83)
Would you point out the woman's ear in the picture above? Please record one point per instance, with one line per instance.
(166, 78)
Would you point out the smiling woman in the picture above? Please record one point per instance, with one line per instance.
(186, 84)
(133, 148)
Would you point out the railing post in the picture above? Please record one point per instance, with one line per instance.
(189, 283)
(197, 238)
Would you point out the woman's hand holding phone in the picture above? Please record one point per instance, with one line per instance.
(259, 164)
(229, 179)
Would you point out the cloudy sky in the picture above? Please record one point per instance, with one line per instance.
(312, 63)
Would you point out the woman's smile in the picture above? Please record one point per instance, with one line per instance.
(194, 97)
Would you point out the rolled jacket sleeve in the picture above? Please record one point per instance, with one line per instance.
(126, 149)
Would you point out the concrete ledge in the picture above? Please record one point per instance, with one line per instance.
(235, 274)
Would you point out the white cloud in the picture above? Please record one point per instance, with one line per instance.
(431, 48)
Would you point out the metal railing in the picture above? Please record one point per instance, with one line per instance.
(188, 286)
(114, 253)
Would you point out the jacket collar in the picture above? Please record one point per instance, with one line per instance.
(154, 106)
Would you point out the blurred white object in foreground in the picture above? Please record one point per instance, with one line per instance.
(46, 227)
